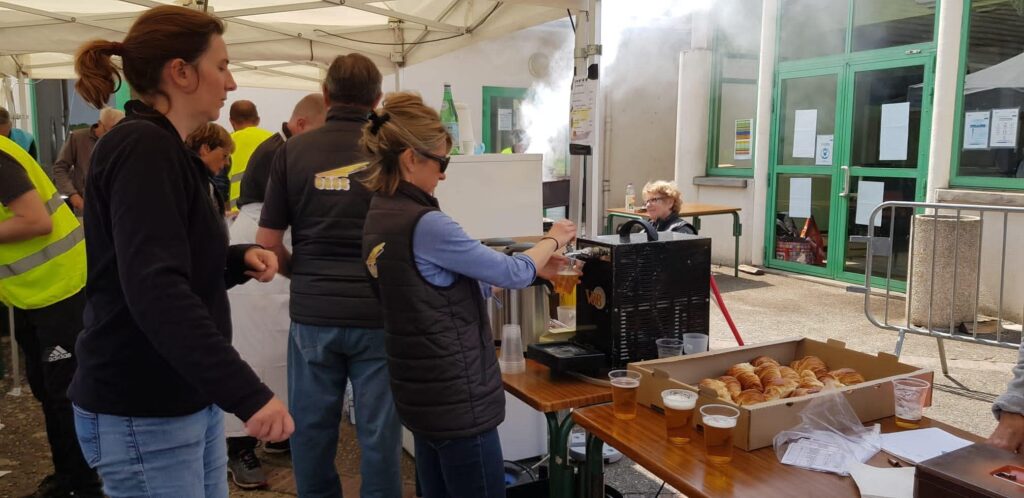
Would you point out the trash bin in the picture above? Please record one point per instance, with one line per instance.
(954, 246)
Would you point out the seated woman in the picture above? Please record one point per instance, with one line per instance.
(427, 272)
(663, 202)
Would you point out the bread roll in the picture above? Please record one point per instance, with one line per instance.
(732, 385)
(809, 381)
(769, 374)
(750, 397)
(812, 363)
(789, 375)
(802, 391)
(760, 360)
(717, 386)
(847, 376)
(749, 380)
(779, 391)
(828, 380)
(738, 368)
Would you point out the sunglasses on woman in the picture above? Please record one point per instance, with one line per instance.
(442, 160)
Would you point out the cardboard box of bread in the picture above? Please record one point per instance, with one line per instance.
(770, 383)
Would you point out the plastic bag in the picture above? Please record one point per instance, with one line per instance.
(829, 437)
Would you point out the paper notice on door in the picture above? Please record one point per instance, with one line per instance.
(1004, 128)
(800, 197)
(823, 150)
(869, 196)
(816, 455)
(895, 130)
(805, 128)
(504, 119)
(976, 129)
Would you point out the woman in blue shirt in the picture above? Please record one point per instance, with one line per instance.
(428, 275)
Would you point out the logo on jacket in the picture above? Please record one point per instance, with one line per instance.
(56, 354)
(371, 262)
(338, 179)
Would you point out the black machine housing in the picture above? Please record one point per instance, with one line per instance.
(639, 289)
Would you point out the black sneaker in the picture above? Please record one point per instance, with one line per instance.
(51, 487)
(245, 470)
(279, 447)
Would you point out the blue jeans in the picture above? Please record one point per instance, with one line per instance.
(320, 362)
(469, 467)
(172, 457)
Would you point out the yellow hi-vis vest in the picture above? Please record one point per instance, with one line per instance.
(47, 269)
(246, 140)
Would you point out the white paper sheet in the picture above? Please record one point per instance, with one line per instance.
(805, 128)
(4, 472)
(869, 196)
(919, 445)
(504, 119)
(976, 129)
(800, 197)
(895, 132)
(1004, 128)
(874, 482)
(823, 150)
(815, 455)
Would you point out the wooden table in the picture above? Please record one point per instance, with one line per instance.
(686, 468)
(538, 389)
(690, 210)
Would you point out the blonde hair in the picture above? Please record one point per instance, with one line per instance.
(404, 122)
(662, 188)
(212, 135)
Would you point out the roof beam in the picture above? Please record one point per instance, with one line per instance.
(444, 13)
(275, 72)
(439, 26)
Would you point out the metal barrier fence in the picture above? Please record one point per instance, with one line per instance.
(938, 323)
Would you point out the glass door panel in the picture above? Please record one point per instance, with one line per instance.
(886, 122)
(891, 233)
(803, 208)
(808, 110)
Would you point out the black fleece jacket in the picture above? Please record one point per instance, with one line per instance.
(157, 338)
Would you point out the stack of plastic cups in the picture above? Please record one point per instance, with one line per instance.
(511, 360)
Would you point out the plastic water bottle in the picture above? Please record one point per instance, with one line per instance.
(450, 118)
(630, 197)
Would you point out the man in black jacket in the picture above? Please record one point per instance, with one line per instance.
(336, 332)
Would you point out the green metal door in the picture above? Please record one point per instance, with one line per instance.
(848, 132)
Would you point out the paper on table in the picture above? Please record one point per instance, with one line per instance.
(869, 196)
(815, 455)
(921, 444)
(1004, 128)
(805, 128)
(874, 482)
(800, 197)
(895, 130)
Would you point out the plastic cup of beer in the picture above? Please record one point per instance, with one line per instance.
(719, 428)
(909, 394)
(566, 279)
(668, 347)
(679, 405)
(625, 384)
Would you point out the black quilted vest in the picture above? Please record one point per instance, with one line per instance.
(441, 356)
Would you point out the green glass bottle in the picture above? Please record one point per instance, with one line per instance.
(450, 118)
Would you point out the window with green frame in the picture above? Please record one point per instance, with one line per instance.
(988, 150)
(737, 42)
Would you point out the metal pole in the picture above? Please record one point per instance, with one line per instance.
(15, 367)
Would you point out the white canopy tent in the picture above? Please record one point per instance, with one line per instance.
(1006, 74)
(273, 43)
